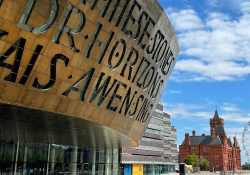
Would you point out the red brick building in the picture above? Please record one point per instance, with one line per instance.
(217, 148)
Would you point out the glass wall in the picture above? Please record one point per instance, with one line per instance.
(155, 169)
(172, 168)
(7, 157)
(42, 159)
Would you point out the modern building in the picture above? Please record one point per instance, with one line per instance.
(157, 151)
(217, 148)
(79, 81)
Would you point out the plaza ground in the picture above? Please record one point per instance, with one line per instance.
(207, 173)
(202, 173)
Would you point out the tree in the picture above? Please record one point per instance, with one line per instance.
(246, 166)
(191, 160)
(204, 163)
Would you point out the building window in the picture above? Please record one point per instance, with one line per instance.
(206, 149)
(206, 157)
(194, 150)
(172, 142)
(166, 138)
(166, 158)
(217, 165)
(182, 157)
(153, 131)
(217, 157)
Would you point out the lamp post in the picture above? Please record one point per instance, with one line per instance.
(248, 163)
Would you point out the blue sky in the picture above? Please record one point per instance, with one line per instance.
(213, 67)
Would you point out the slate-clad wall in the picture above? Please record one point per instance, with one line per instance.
(154, 148)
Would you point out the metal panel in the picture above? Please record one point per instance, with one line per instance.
(92, 71)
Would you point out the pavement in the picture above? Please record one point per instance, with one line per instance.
(210, 173)
(202, 173)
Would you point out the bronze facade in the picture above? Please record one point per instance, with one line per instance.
(70, 62)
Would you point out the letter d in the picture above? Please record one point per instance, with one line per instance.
(26, 14)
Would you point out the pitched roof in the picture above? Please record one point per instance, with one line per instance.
(220, 130)
(203, 140)
(237, 143)
(229, 142)
(216, 115)
(216, 141)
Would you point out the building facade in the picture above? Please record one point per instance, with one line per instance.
(217, 148)
(157, 151)
(79, 81)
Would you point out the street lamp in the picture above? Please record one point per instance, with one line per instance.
(248, 163)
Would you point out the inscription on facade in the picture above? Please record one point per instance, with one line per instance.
(141, 57)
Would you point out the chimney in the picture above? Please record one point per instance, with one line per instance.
(187, 139)
(212, 133)
(235, 143)
(193, 132)
(225, 141)
(203, 135)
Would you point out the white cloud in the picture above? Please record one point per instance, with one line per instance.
(232, 131)
(226, 4)
(185, 19)
(175, 92)
(229, 104)
(236, 117)
(230, 108)
(187, 111)
(196, 112)
(216, 48)
(245, 7)
(214, 3)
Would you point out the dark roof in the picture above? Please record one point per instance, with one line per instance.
(166, 115)
(159, 106)
(229, 142)
(220, 130)
(216, 141)
(216, 115)
(203, 140)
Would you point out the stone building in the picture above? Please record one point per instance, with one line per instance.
(217, 148)
(157, 151)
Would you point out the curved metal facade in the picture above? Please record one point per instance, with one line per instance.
(82, 72)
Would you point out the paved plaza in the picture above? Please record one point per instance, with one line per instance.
(210, 173)
(202, 173)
